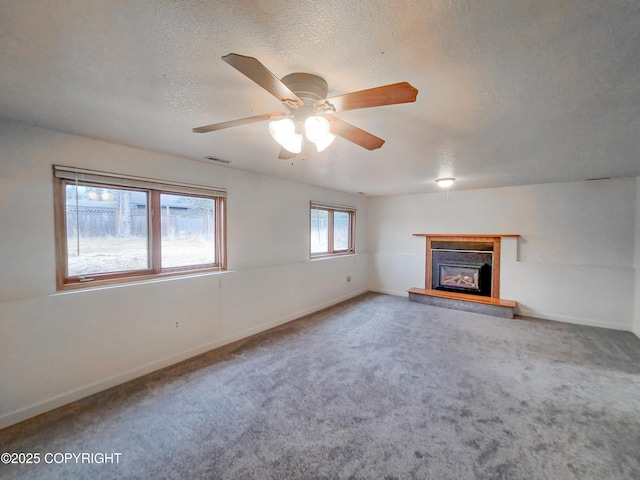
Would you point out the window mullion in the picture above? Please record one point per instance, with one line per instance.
(352, 231)
(220, 225)
(330, 231)
(155, 232)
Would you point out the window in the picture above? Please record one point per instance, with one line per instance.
(332, 229)
(112, 228)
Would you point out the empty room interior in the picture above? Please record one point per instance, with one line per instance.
(325, 239)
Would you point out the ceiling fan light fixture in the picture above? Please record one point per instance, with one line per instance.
(317, 131)
(283, 131)
(324, 142)
(445, 182)
(294, 143)
(316, 128)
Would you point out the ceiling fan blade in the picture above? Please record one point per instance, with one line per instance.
(285, 154)
(354, 134)
(257, 72)
(236, 123)
(402, 92)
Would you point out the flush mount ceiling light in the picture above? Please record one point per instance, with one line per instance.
(445, 182)
(310, 114)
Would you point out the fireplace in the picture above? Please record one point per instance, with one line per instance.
(463, 272)
(451, 258)
(462, 267)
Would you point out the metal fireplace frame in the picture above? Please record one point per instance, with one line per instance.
(461, 288)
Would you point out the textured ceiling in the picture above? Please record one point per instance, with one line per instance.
(510, 92)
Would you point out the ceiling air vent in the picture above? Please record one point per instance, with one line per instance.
(219, 160)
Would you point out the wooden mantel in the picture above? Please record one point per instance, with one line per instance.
(468, 237)
(494, 239)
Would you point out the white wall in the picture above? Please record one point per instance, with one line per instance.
(573, 262)
(57, 347)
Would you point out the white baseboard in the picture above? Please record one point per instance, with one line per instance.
(575, 320)
(38, 408)
(398, 293)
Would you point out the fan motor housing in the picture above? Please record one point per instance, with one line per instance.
(308, 87)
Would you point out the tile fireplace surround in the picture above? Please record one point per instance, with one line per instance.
(490, 302)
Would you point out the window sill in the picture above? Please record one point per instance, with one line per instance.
(332, 255)
(139, 280)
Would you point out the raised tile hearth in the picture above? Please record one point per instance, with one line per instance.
(485, 305)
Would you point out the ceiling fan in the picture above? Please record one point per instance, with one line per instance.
(309, 111)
